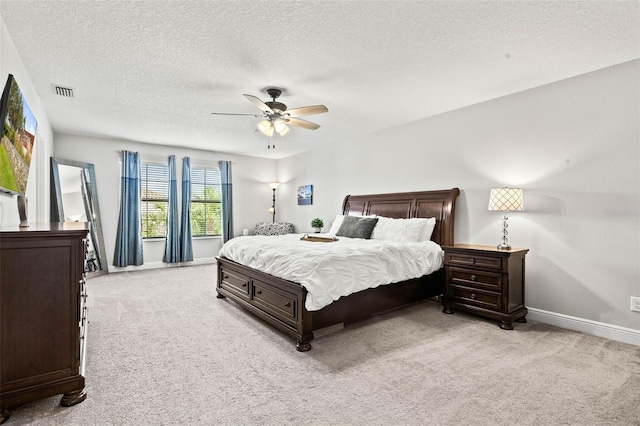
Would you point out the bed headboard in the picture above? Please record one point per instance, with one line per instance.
(439, 204)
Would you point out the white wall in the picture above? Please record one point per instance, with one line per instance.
(38, 184)
(251, 195)
(573, 146)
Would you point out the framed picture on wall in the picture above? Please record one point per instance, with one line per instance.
(305, 195)
(18, 137)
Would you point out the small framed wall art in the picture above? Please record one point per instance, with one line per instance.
(305, 195)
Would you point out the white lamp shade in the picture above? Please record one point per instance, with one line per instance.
(274, 185)
(279, 125)
(266, 128)
(284, 131)
(506, 199)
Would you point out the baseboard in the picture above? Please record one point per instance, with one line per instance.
(600, 329)
(159, 265)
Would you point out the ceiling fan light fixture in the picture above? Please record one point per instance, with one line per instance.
(284, 131)
(279, 125)
(266, 128)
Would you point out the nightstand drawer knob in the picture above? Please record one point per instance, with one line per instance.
(473, 277)
(473, 296)
(472, 260)
(287, 305)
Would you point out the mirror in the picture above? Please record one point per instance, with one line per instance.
(74, 199)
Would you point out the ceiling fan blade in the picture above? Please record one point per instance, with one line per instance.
(257, 102)
(231, 113)
(298, 122)
(308, 110)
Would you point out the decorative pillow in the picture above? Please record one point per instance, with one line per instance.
(260, 229)
(404, 230)
(357, 227)
(278, 228)
(335, 226)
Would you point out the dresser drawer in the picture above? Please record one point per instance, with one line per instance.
(476, 297)
(280, 304)
(463, 259)
(475, 278)
(235, 282)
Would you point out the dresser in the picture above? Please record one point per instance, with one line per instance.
(485, 281)
(42, 314)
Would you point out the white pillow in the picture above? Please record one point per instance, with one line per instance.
(403, 230)
(430, 224)
(336, 224)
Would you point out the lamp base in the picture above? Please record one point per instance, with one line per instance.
(504, 247)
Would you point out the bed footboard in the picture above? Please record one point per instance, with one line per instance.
(281, 303)
(276, 301)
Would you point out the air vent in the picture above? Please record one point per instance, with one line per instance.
(67, 92)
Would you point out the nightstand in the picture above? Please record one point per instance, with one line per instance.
(485, 281)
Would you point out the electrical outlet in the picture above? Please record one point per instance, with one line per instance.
(635, 304)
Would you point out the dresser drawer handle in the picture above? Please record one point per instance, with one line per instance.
(259, 292)
(472, 260)
(473, 277)
(473, 296)
(226, 277)
(244, 284)
(287, 305)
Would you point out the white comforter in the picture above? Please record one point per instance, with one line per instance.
(331, 270)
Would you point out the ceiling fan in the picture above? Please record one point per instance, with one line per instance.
(277, 116)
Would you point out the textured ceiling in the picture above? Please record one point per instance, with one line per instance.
(153, 71)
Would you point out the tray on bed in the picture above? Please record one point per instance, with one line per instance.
(318, 239)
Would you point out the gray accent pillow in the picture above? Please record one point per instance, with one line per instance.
(357, 227)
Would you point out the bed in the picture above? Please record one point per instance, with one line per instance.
(282, 303)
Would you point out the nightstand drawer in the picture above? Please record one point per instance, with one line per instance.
(463, 259)
(475, 278)
(281, 305)
(236, 283)
(481, 298)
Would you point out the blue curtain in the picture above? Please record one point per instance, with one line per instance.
(227, 200)
(172, 242)
(128, 250)
(186, 241)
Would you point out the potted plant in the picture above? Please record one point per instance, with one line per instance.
(318, 224)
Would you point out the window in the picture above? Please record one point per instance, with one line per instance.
(206, 202)
(155, 200)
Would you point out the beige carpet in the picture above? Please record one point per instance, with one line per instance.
(163, 350)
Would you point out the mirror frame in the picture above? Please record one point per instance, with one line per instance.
(57, 210)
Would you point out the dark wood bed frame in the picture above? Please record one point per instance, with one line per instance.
(281, 303)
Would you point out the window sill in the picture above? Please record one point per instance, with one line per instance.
(163, 239)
